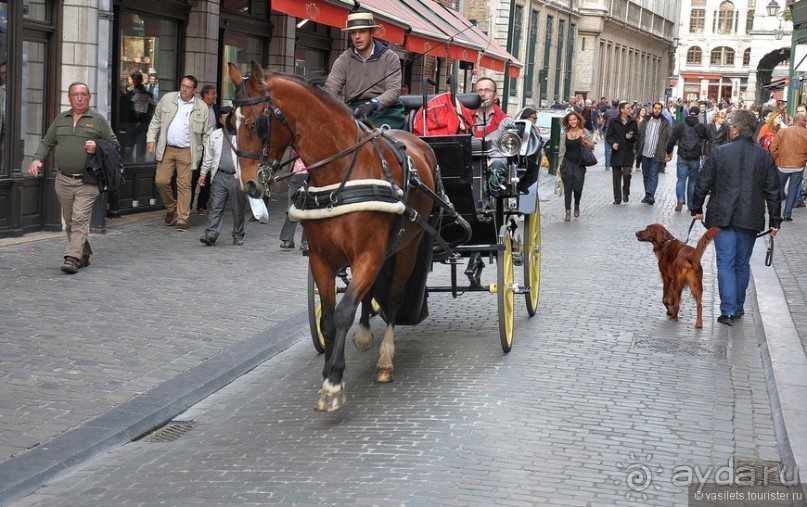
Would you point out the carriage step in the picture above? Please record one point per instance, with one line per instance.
(515, 289)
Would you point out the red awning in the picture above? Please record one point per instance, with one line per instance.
(421, 26)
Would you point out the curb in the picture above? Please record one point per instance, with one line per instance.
(785, 368)
(23, 474)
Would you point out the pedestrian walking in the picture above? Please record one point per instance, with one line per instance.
(208, 95)
(220, 161)
(177, 134)
(789, 150)
(768, 131)
(368, 75)
(741, 180)
(75, 133)
(689, 136)
(571, 167)
(718, 133)
(298, 178)
(608, 115)
(621, 136)
(654, 132)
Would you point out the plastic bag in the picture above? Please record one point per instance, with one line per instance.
(259, 210)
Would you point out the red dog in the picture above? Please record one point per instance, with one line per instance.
(679, 265)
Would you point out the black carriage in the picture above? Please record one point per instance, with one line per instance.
(493, 221)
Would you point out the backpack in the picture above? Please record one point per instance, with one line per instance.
(690, 144)
(442, 117)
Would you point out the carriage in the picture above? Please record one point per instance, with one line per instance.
(494, 222)
(382, 208)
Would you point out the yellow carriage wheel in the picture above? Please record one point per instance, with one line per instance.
(532, 258)
(315, 314)
(504, 290)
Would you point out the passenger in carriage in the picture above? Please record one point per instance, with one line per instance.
(368, 75)
(490, 121)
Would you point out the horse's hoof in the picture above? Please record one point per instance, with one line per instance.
(363, 339)
(383, 375)
(330, 398)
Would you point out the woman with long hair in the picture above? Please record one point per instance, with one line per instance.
(718, 132)
(640, 117)
(768, 131)
(572, 170)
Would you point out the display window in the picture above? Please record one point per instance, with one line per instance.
(239, 49)
(148, 52)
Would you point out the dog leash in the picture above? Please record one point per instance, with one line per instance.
(769, 253)
(691, 225)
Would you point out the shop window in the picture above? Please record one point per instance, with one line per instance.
(33, 76)
(239, 49)
(146, 72)
(250, 7)
(36, 10)
(3, 77)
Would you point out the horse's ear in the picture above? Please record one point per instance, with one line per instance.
(256, 73)
(235, 74)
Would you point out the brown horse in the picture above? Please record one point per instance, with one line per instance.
(275, 112)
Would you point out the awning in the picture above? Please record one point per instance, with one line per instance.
(421, 26)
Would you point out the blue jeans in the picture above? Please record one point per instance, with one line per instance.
(793, 190)
(687, 176)
(650, 169)
(733, 249)
(608, 151)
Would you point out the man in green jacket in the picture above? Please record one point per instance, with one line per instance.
(73, 133)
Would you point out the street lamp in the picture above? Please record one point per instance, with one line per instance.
(772, 8)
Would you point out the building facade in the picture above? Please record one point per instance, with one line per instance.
(732, 51)
(619, 49)
(47, 44)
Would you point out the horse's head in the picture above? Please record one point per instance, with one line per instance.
(263, 135)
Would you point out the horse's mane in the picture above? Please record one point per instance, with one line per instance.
(327, 98)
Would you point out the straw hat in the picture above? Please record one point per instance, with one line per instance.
(360, 21)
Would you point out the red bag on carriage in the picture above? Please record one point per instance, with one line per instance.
(443, 118)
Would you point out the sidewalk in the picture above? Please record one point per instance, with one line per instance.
(94, 360)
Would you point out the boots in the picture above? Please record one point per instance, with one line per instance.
(568, 216)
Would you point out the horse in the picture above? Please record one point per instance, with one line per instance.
(274, 112)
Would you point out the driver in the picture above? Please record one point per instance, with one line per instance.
(368, 75)
(490, 121)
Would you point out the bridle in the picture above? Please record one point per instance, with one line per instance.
(262, 126)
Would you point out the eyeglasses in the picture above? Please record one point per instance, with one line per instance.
(534, 117)
(485, 90)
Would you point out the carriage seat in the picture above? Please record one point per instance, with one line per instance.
(415, 102)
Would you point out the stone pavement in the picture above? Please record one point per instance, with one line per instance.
(599, 383)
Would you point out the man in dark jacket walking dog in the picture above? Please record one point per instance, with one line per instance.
(741, 179)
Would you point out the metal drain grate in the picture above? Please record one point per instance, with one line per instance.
(678, 347)
(168, 432)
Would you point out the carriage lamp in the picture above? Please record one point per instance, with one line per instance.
(509, 143)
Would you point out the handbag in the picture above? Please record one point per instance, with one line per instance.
(558, 185)
(587, 157)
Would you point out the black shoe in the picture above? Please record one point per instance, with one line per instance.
(788, 219)
(725, 319)
(651, 201)
(207, 240)
(625, 199)
(738, 315)
(617, 202)
(644, 199)
(238, 242)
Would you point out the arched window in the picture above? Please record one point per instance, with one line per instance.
(694, 55)
(747, 57)
(723, 55)
(725, 18)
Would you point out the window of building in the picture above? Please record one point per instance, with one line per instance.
(749, 21)
(247, 7)
(697, 20)
(694, 55)
(36, 10)
(724, 18)
(698, 3)
(747, 57)
(240, 49)
(147, 69)
(722, 56)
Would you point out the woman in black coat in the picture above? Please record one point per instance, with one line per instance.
(622, 134)
(718, 132)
